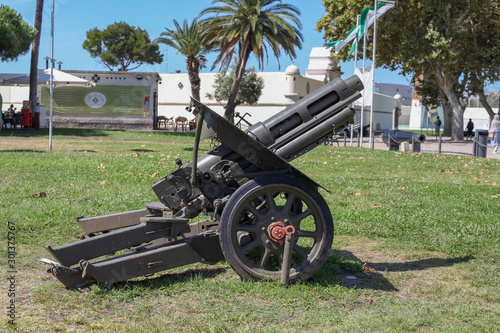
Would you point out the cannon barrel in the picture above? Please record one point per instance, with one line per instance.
(300, 124)
(328, 99)
(398, 136)
(289, 133)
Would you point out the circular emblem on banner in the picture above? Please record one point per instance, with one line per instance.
(95, 100)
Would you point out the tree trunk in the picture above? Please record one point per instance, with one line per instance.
(194, 78)
(34, 57)
(486, 105)
(447, 115)
(240, 71)
(457, 120)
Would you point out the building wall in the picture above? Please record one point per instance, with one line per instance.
(174, 94)
(390, 89)
(13, 95)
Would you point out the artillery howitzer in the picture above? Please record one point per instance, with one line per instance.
(393, 138)
(266, 218)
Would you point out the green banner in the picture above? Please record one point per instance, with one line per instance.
(97, 100)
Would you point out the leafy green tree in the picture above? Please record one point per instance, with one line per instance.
(188, 41)
(122, 45)
(251, 26)
(455, 44)
(249, 91)
(15, 34)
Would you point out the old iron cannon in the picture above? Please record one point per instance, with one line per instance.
(393, 139)
(266, 218)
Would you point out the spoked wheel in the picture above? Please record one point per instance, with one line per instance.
(246, 228)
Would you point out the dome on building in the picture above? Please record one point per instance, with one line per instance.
(292, 70)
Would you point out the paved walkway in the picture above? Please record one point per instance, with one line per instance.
(431, 145)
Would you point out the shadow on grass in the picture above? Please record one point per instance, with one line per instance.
(169, 278)
(29, 133)
(85, 151)
(341, 268)
(143, 150)
(418, 265)
(22, 151)
(344, 268)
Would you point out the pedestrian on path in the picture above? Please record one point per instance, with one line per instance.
(470, 128)
(494, 133)
(437, 123)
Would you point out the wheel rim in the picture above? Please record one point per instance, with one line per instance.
(252, 250)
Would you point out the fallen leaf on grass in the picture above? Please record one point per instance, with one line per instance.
(102, 183)
(496, 196)
(376, 206)
(154, 174)
(366, 268)
(401, 188)
(101, 166)
(39, 195)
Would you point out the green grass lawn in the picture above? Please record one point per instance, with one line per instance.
(416, 248)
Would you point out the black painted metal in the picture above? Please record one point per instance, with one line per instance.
(398, 136)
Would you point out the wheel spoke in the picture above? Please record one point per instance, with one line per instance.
(297, 218)
(250, 228)
(298, 250)
(250, 246)
(254, 211)
(309, 234)
(270, 202)
(289, 202)
(265, 258)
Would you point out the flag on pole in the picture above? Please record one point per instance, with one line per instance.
(339, 44)
(367, 19)
(367, 79)
(368, 15)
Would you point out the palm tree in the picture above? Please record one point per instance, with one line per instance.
(247, 26)
(188, 40)
(34, 56)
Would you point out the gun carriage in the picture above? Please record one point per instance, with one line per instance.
(266, 218)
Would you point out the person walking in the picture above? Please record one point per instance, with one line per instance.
(494, 133)
(469, 127)
(437, 123)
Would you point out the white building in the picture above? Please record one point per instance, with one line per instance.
(170, 95)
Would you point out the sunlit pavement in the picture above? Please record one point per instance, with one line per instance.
(431, 145)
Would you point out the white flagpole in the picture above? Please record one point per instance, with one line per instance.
(373, 74)
(51, 74)
(356, 51)
(363, 101)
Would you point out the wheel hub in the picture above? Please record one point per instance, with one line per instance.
(278, 231)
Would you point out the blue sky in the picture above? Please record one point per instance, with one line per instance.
(73, 18)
